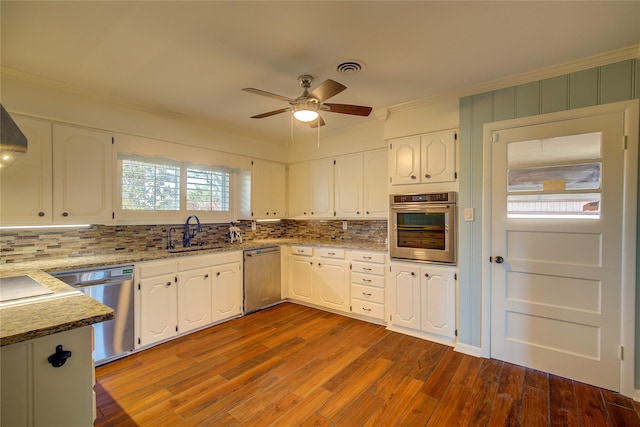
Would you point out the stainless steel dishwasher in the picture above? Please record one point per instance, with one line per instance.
(113, 287)
(261, 278)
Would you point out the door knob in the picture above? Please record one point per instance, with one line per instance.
(499, 260)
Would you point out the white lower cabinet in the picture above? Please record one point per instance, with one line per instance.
(422, 298)
(35, 393)
(226, 290)
(319, 276)
(176, 296)
(367, 284)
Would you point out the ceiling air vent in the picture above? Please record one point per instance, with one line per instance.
(350, 67)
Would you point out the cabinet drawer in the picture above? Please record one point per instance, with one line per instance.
(367, 293)
(376, 257)
(361, 267)
(302, 250)
(156, 269)
(367, 280)
(366, 308)
(330, 253)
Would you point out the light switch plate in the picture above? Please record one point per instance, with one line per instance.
(468, 214)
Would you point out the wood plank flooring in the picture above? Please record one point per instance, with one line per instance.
(292, 365)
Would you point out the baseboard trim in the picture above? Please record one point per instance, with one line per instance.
(471, 350)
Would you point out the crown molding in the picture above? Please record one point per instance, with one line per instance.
(610, 57)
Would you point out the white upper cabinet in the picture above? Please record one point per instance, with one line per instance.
(311, 189)
(423, 159)
(81, 175)
(64, 178)
(349, 191)
(268, 184)
(26, 194)
(322, 189)
(376, 200)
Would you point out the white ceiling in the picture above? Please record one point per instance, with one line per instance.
(192, 58)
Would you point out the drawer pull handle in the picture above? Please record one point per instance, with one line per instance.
(331, 253)
(364, 279)
(368, 310)
(366, 294)
(366, 257)
(366, 268)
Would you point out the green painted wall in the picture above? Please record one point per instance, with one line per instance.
(615, 82)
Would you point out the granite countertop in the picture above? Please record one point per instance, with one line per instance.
(53, 265)
(35, 317)
(68, 308)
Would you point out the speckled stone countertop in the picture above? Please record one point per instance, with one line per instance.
(68, 309)
(65, 309)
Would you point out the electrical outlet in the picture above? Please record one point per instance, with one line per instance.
(344, 225)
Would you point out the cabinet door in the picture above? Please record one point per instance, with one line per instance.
(158, 308)
(34, 393)
(438, 295)
(25, 186)
(438, 157)
(81, 175)
(331, 282)
(321, 189)
(194, 299)
(300, 278)
(405, 296)
(376, 199)
(404, 161)
(226, 291)
(268, 190)
(299, 196)
(349, 186)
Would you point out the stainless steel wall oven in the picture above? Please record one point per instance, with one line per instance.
(422, 227)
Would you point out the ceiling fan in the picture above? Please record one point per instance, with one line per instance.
(307, 107)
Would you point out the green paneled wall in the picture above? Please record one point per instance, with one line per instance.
(609, 83)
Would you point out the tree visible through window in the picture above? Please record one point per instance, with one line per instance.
(150, 186)
(207, 190)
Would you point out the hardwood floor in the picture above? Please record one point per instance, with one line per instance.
(292, 365)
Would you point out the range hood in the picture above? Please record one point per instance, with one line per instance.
(13, 143)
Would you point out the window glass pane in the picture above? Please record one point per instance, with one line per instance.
(150, 186)
(554, 206)
(551, 150)
(207, 190)
(585, 176)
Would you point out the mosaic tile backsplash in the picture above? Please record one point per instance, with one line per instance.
(27, 245)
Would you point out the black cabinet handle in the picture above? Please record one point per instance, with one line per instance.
(60, 357)
(40, 213)
(65, 214)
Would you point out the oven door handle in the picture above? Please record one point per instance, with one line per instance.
(428, 209)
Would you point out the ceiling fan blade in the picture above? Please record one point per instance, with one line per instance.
(267, 94)
(356, 110)
(326, 90)
(317, 122)
(270, 113)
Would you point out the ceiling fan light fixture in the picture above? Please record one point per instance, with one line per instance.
(305, 113)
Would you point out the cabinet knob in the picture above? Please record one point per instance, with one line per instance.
(426, 274)
(60, 357)
(65, 214)
(304, 213)
(413, 274)
(427, 175)
(311, 212)
(206, 276)
(358, 212)
(40, 213)
(413, 177)
(217, 274)
(368, 213)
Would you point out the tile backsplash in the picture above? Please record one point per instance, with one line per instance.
(31, 244)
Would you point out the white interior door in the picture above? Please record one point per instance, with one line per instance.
(556, 245)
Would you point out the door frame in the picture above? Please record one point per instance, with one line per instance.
(630, 109)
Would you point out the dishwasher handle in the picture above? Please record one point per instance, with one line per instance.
(259, 252)
(101, 282)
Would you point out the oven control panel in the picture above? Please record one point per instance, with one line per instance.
(424, 198)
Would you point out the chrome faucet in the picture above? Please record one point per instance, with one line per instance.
(187, 236)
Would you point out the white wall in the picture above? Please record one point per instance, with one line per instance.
(39, 98)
